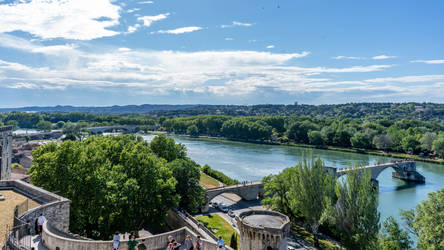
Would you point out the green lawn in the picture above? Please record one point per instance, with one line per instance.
(208, 181)
(219, 227)
(301, 233)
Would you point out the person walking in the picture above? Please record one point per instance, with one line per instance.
(189, 243)
(132, 243)
(199, 243)
(116, 241)
(40, 221)
(221, 241)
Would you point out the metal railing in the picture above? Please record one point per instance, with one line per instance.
(19, 237)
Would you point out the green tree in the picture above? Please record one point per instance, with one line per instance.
(234, 241)
(166, 148)
(187, 174)
(60, 124)
(393, 237)
(12, 123)
(74, 131)
(316, 138)
(278, 196)
(410, 144)
(356, 212)
(313, 188)
(426, 221)
(193, 130)
(44, 125)
(113, 183)
(427, 141)
(361, 140)
(438, 146)
(383, 141)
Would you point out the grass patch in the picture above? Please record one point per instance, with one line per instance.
(303, 234)
(208, 181)
(219, 226)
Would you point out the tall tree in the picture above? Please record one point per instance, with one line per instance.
(356, 212)
(426, 221)
(314, 189)
(166, 148)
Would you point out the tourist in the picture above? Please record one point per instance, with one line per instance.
(40, 221)
(221, 241)
(170, 242)
(36, 226)
(199, 243)
(142, 245)
(189, 243)
(116, 241)
(221, 247)
(176, 246)
(132, 243)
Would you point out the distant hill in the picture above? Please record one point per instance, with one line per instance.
(145, 108)
(420, 111)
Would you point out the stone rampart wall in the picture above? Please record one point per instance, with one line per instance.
(54, 241)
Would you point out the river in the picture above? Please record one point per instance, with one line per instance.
(248, 162)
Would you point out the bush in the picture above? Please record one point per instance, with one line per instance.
(219, 176)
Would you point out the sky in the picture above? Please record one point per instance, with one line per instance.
(112, 52)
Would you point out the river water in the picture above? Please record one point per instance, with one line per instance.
(249, 162)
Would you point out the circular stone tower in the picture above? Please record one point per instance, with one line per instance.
(263, 230)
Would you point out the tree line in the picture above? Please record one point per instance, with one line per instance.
(347, 209)
(407, 136)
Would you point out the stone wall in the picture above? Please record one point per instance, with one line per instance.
(52, 240)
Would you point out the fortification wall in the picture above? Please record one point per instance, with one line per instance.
(52, 240)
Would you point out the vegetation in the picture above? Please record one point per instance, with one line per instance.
(355, 214)
(393, 237)
(404, 136)
(305, 235)
(219, 176)
(208, 181)
(309, 194)
(116, 182)
(220, 227)
(425, 221)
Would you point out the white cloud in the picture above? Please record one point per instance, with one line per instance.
(229, 39)
(124, 49)
(146, 2)
(270, 47)
(429, 61)
(133, 28)
(348, 57)
(382, 57)
(408, 79)
(235, 23)
(179, 30)
(148, 20)
(69, 19)
(132, 10)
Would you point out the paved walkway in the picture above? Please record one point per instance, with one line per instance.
(37, 243)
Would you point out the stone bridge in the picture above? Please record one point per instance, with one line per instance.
(125, 128)
(404, 169)
(247, 191)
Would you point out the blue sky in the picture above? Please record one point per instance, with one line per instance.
(103, 52)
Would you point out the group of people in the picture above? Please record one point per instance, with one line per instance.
(134, 244)
(38, 225)
(188, 243)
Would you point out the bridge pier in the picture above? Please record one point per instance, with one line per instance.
(410, 176)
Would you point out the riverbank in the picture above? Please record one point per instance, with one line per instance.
(332, 148)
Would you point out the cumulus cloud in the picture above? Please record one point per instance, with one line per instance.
(429, 61)
(148, 20)
(270, 47)
(236, 23)
(382, 57)
(348, 57)
(179, 30)
(69, 19)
